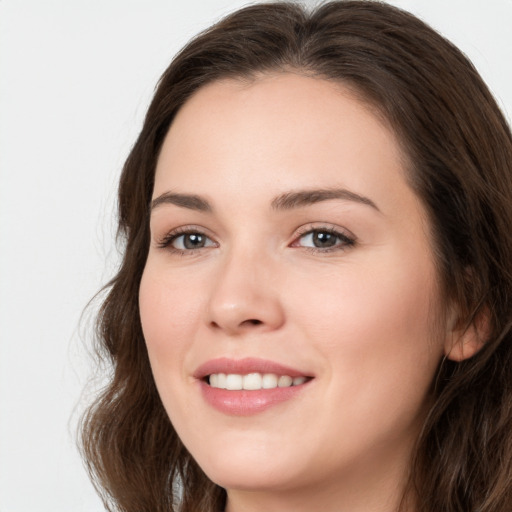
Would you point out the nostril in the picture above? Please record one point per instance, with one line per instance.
(246, 323)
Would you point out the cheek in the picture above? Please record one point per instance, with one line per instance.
(170, 315)
(377, 328)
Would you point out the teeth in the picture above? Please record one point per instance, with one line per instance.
(269, 381)
(284, 381)
(253, 381)
(234, 382)
(221, 380)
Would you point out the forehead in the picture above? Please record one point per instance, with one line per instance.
(277, 133)
(286, 118)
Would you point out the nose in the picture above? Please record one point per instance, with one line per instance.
(245, 296)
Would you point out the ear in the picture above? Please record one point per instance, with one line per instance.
(464, 341)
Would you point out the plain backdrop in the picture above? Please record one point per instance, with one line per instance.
(75, 79)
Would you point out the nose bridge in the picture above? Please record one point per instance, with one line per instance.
(244, 295)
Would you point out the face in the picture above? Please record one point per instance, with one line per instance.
(289, 297)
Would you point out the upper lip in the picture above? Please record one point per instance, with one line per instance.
(244, 367)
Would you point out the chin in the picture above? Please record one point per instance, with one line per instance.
(255, 467)
(245, 477)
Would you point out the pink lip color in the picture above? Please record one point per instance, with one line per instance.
(244, 366)
(244, 402)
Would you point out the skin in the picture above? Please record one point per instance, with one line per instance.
(365, 319)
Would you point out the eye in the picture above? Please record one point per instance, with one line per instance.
(184, 241)
(324, 239)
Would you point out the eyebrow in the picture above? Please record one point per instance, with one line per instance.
(190, 201)
(300, 198)
(286, 201)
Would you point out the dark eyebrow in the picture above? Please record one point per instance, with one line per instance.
(191, 201)
(300, 198)
(286, 201)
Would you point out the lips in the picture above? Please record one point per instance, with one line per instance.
(248, 386)
(253, 381)
(245, 366)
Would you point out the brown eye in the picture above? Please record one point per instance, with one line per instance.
(191, 241)
(324, 239)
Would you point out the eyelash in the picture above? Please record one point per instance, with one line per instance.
(167, 241)
(345, 241)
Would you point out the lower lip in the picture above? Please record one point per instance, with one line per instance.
(246, 403)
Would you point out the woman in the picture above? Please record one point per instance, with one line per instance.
(313, 310)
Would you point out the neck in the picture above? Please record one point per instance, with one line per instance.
(363, 488)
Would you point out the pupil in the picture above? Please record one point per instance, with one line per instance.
(193, 241)
(323, 239)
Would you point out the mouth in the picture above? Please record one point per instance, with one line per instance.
(249, 386)
(253, 381)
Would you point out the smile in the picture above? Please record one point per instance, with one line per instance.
(249, 386)
(253, 381)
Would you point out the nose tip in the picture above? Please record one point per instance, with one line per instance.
(242, 317)
(244, 302)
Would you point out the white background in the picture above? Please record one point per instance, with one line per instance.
(75, 79)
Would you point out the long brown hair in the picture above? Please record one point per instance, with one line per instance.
(460, 151)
